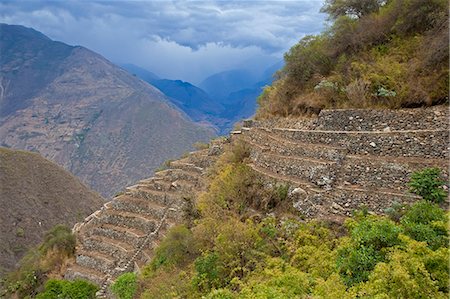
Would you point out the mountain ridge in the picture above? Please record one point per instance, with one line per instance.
(93, 118)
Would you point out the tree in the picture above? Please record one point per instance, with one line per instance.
(352, 8)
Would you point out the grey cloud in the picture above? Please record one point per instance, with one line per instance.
(138, 31)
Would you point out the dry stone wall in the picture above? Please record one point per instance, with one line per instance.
(335, 163)
(346, 159)
(121, 236)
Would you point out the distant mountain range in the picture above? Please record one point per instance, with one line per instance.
(76, 108)
(220, 100)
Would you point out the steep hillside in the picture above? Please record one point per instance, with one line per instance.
(274, 175)
(96, 120)
(221, 84)
(192, 100)
(36, 194)
(391, 54)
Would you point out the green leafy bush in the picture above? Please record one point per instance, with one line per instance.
(428, 184)
(370, 237)
(77, 289)
(426, 222)
(177, 247)
(125, 286)
(207, 274)
(405, 274)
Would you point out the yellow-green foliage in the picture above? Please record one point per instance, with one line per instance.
(412, 271)
(393, 55)
(225, 255)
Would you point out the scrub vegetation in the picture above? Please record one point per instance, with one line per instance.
(375, 53)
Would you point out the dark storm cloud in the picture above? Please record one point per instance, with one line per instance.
(181, 32)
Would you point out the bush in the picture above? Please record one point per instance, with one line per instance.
(49, 258)
(207, 274)
(369, 239)
(77, 289)
(382, 54)
(405, 274)
(177, 247)
(125, 286)
(428, 184)
(59, 238)
(426, 222)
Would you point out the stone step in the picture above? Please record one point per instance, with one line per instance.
(184, 165)
(138, 205)
(316, 172)
(344, 200)
(95, 260)
(202, 158)
(164, 198)
(127, 235)
(115, 248)
(378, 119)
(130, 220)
(186, 186)
(158, 184)
(178, 174)
(375, 172)
(375, 199)
(272, 143)
(80, 272)
(147, 253)
(416, 143)
(294, 181)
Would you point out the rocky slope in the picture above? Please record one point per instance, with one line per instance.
(36, 194)
(79, 110)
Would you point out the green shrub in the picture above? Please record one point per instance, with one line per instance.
(428, 184)
(355, 264)
(57, 247)
(369, 239)
(220, 294)
(207, 274)
(426, 222)
(59, 238)
(78, 289)
(177, 247)
(377, 233)
(409, 272)
(396, 211)
(125, 286)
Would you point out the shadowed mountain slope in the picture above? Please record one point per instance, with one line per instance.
(36, 194)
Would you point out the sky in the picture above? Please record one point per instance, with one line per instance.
(187, 40)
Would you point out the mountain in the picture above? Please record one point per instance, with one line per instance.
(194, 101)
(224, 98)
(36, 194)
(221, 84)
(142, 73)
(81, 111)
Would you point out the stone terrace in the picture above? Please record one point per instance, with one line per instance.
(121, 236)
(335, 163)
(346, 159)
